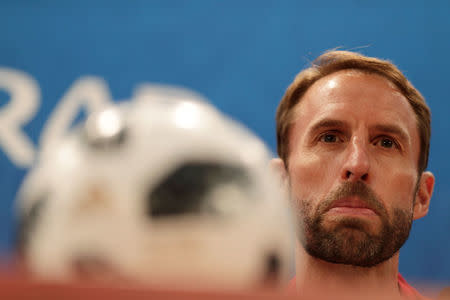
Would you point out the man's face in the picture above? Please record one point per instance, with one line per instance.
(354, 149)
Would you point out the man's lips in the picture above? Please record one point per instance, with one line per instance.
(351, 206)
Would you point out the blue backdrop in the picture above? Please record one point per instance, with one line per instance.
(240, 54)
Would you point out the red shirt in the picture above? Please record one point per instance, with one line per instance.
(407, 291)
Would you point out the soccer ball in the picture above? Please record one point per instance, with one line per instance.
(162, 191)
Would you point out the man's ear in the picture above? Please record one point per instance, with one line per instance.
(278, 168)
(423, 195)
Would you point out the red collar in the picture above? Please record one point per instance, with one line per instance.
(406, 290)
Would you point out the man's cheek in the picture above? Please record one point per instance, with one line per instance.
(401, 188)
(311, 168)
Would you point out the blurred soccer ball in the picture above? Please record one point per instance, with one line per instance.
(162, 191)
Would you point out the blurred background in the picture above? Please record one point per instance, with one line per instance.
(59, 59)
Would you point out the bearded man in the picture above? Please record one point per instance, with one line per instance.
(353, 139)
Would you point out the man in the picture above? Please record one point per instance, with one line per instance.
(353, 140)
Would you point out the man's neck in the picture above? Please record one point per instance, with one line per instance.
(323, 279)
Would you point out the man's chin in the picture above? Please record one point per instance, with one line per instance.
(356, 241)
(349, 246)
(352, 225)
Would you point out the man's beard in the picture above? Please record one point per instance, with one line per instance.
(350, 241)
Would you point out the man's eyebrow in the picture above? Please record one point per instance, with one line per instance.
(387, 128)
(392, 129)
(328, 123)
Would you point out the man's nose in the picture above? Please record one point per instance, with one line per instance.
(357, 164)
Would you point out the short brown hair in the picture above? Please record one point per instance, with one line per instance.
(333, 61)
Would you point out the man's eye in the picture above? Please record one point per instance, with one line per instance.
(386, 143)
(329, 138)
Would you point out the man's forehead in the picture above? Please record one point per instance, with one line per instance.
(367, 91)
(349, 95)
